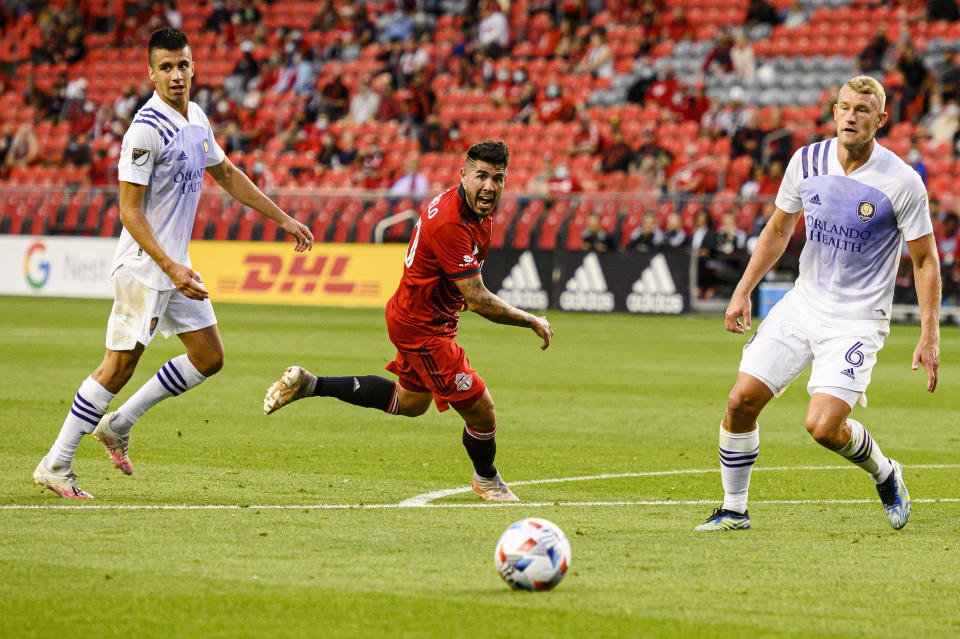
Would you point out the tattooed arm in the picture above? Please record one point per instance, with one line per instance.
(482, 302)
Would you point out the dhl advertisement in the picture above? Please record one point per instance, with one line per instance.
(356, 275)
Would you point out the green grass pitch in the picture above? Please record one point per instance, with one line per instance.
(614, 395)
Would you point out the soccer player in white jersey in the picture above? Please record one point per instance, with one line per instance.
(165, 153)
(858, 200)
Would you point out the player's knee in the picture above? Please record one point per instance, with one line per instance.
(210, 364)
(412, 405)
(743, 406)
(824, 432)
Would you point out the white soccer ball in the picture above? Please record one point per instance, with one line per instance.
(532, 554)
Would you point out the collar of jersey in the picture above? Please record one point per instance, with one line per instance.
(168, 110)
(464, 207)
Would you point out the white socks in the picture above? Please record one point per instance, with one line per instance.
(864, 452)
(738, 453)
(175, 377)
(89, 405)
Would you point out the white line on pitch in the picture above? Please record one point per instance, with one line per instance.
(426, 498)
(529, 504)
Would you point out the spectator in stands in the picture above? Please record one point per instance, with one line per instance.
(748, 138)
(915, 160)
(6, 141)
(761, 12)
(770, 184)
(647, 236)
(942, 10)
(949, 73)
(346, 154)
(702, 241)
(537, 185)
(751, 186)
(873, 56)
(421, 99)
(677, 26)
(595, 237)
(718, 60)
(948, 243)
(599, 58)
(742, 58)
(412, 183)
(586, 141)
(945, 124)
(562, 182)
(794, 16)
(734, 115)
(673, 235)
(328, 149)
(218, 18)
(567, 42)
(334, 96)
(728, 258)
(234, 137)
(364, 103)
(663, 91)
(24, 148)
(305, 75)
(649, 148)
(390, 108)
(918, 81)
(777, 139)
(415, 58)
(554, 107)
(759, 222)
(696, 103)
(77, 152)
(493, 32)
(546, 38)
(618, 155)
(433, 136)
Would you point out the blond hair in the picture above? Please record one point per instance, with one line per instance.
(866, 84)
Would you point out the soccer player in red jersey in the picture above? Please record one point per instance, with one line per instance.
(441, 277)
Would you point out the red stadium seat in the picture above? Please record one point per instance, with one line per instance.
(525, 223)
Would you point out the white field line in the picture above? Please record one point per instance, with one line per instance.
(424, 501)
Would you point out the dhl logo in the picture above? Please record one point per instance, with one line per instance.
(301, 274)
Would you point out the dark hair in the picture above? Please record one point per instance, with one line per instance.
(493, 152)
(167, 39)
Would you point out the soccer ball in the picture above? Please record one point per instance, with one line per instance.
(532, 554)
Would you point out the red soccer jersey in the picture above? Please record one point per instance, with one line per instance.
(449, 243)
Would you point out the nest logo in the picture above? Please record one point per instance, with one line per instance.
(36, 268)
(587, 289)
(655, 291)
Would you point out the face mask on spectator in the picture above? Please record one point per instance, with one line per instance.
(553, 91)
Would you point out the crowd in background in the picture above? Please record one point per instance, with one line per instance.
(467, 40)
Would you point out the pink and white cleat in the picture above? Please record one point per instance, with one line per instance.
(115, 444)
(64, 484)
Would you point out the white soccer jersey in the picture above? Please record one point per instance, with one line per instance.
(854, 225)
(169, 155)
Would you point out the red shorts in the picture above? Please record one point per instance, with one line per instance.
(440, 367)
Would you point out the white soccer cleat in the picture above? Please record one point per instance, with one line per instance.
(64, 484)
(291, 386)
(492, 489)
(115, 444)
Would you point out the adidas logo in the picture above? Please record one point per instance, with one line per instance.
(182, 156)
(587, 289)
(356, 384)
(815, 199)
(655, 291)
(522, 287)
(848, 373)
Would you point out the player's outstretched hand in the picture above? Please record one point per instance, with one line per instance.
(542, 328)
(739, 307)
(300, 233)
(188, 282)
(928, 354)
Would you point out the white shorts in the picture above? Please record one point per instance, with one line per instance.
(139, 311)
(792, 337)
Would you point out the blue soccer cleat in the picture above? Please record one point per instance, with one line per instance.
(895, 498)
(723, 519)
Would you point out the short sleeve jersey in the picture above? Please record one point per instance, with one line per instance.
(449, 243)
(168, 154)
(853, 225)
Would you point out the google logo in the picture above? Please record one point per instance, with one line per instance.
(36, 270)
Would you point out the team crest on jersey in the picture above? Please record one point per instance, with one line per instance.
(153, 324)
(205, 145)
(139, 156)
(866, 211)
(463, 381)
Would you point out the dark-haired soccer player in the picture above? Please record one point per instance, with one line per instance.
(441, 277)
(164, 156)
